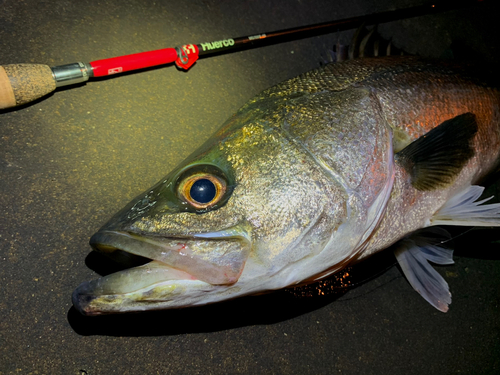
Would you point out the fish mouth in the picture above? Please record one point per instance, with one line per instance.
(178, 269)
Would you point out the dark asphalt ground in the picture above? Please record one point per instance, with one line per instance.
(70, 161)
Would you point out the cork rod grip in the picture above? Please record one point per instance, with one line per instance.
(23, 83)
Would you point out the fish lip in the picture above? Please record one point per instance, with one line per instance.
(185, 253)
(100, 296)
(82, 297)
(134, 289)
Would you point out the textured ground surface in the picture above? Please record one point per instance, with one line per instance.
(68, 162)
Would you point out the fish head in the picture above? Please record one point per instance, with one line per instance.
(248, 212)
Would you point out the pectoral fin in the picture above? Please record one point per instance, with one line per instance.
(414, 253)
(435, 159)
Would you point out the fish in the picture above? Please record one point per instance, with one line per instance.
(309, 177)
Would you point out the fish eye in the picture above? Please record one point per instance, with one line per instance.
(202, 190)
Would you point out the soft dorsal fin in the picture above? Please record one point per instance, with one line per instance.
(435, 159)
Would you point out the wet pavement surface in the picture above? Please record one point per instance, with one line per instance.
(71, 160)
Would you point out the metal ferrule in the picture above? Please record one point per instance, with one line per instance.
(71, 73)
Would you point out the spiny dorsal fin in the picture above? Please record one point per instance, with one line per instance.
(436, 158)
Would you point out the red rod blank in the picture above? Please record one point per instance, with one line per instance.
(135, 61)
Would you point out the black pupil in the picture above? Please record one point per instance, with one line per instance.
(203, 191)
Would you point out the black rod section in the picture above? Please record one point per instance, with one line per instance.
(219, 46)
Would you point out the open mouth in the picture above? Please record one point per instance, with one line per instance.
(212, 259)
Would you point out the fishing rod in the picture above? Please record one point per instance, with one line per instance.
(23, 83)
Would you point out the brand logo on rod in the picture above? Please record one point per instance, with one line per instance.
(218, 44)
(115, 70)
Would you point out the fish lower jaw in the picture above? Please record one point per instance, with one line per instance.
(136, 289)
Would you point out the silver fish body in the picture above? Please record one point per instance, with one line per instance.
(312, 175)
